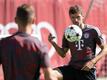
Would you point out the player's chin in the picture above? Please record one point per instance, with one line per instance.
(76, 23)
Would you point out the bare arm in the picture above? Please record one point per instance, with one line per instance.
(92, 63)
(60, 51)
(50, 74)
(102, 53)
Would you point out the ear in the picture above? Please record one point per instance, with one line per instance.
(16, 20)
(33, 21)
(83, 16)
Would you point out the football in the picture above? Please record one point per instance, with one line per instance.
(73, 33)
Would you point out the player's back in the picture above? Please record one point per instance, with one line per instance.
(20, 57)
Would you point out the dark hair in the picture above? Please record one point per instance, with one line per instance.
(25, 13)
(75, 9)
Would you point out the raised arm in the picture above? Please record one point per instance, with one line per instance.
(60, 51)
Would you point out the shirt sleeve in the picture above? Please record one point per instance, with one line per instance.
(45, 61)
(43, 53)
(65, 42)
(98, 38)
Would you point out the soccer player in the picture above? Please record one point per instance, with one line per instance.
(22, 55)
(83, 60)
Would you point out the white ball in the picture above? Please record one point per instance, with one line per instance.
(73, 33)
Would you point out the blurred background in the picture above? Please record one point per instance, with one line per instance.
(52, 17)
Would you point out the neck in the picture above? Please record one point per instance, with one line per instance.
(27, 29)
(82, 26)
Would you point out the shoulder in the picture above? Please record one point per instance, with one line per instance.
(5, 41)
(40, 44)
(5, 38)
(93, 28)
(35, 40)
